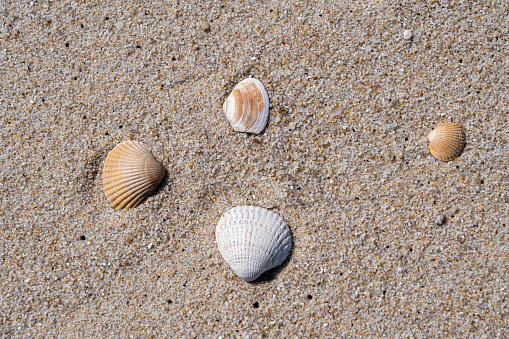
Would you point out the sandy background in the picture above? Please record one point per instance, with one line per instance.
(344, 160)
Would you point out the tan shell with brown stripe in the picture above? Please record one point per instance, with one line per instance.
(247, 107)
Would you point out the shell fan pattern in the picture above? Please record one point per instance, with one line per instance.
(131, 173)
(252, 240)
(247, 107)
(447, 141)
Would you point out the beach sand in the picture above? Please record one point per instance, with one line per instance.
(387, 240)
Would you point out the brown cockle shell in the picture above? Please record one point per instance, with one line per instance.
(447, 141)
(131, 173)
(247, 107)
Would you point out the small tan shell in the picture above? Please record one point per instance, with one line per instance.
(131, 173)
(247, 107)
(447, 141)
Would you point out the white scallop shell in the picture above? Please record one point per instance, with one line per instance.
(131, 173)
(253, 240)
(247, 107)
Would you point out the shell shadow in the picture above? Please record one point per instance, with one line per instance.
(270, 275)
(167, 180)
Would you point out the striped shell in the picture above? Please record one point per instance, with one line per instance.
(247, 107)
(446, 141)
(131, 173)
(252, 240)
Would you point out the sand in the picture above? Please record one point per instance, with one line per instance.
(388, 241)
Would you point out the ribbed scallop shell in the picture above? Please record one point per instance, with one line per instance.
(131, 173)
(252, 240)
(447, 141)
(247, 107)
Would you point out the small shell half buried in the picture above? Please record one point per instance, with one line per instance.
(447, 141)
(252, 240)
(131, 173)
(247, 107)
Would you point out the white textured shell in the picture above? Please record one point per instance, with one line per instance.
(131, 173)
(447, 141)
(253, 240)
(247, 107)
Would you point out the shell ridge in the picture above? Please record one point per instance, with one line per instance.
(258, 221)
(134, 201)
(122, 185)
(115, 191)
(281, 233)
(126, 193)
(123, 177)
(127, 202)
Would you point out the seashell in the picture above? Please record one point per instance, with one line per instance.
(446, 141)
(252, 240)
(247, 107)
(131, 173)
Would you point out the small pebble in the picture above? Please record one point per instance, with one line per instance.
(205, 26)
(392, 126)
(407, 35)
(440, 219)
